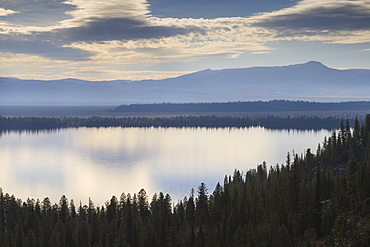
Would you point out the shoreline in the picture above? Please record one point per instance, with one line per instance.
(107, 111)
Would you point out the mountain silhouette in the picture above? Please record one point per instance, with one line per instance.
(311, 81)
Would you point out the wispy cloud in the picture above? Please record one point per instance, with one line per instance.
(5, 12)
(112, 33)
(44, 49)
(90, 21)
(320, 15)
(41, 13)
(86, 9)
(342, 21)
(117, 29)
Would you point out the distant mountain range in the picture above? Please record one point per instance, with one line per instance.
(311, 81)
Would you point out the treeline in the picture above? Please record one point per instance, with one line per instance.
(314, 199)
(249, 106)
(272, 122)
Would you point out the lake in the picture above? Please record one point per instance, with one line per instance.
(97, 163)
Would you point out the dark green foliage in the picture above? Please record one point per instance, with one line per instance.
(249, 106)
(273, 122)
(320, 199)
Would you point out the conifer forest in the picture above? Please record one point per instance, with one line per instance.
(317, 198)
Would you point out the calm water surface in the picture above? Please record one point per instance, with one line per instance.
(101, 162)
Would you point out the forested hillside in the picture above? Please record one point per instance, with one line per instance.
(314, 199)
(272, 122)
(246, 106)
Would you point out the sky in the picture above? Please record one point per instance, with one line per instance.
(155, 39)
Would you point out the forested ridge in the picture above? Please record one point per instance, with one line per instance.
(246, 106)
(273, 122)
(314, 199)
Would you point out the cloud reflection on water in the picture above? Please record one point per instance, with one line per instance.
(101, 162)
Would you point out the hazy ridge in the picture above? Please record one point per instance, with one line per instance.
(311, 81)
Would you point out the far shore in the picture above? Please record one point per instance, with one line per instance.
(107, 111)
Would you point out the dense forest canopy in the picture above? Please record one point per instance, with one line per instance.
(272, 122)
(314, 199)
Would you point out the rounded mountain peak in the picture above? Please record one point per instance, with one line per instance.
(314, 63)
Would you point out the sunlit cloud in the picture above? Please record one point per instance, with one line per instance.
(111, 34)
(5, 12)
(260, 52)
(101, 9)
(46, 69)
(32, 15)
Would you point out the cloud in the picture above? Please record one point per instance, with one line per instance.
(87, 10)
(211, 39)
(119, 29)
(260, 52)
(6, 12)
(319, 17)
(155, 40)
(44, 49)
(89, 21)
(124, 32)
(101, 20)
(36, 13)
